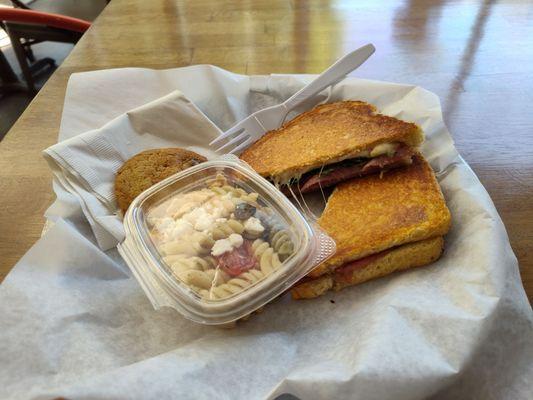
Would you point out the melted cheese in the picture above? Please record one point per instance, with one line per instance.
(384, 148)
(287, 177)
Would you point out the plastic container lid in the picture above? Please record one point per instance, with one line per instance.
(217, 241)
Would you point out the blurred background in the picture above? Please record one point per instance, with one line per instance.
(42, 58)
(451, 47)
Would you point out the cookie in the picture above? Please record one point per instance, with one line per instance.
(148, 168)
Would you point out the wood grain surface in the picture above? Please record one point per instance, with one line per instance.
(476, 55)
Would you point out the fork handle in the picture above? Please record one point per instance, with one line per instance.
(333, 74)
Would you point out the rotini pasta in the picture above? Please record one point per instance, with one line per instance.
(252, 276)
(268, 259)
(238, 192)
(224, 229)
(282, 244)
(218, 190)
(236, 200)
(180, 266)
(197, 278)
(185, 264)
(169, 260)
(252, 235)
(202, 243)
(259, 247)
(219, 240)
(218, 277)
(177, 247)
(228, 188)
(250, 197)
(206, 263)
(234, 286)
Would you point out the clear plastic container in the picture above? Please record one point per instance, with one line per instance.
(217, 241)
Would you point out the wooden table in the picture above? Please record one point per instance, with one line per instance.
(476, 55)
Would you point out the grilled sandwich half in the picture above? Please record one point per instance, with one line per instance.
(381, 225)
(332, 143)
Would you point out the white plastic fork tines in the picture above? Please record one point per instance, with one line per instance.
(250, 129)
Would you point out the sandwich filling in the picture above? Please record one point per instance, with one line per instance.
(383, 157)
(344, 272)
(410, 255)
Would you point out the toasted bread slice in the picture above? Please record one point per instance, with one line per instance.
(325, 135)
(409, 255)
(368, 215)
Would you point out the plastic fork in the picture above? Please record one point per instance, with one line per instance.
(256, 125)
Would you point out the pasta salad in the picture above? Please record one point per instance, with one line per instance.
(219, 239)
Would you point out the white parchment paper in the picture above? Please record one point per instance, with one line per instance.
(74, 323)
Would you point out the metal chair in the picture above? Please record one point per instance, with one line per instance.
(28, 27)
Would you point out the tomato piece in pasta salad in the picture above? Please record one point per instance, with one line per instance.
(239, 260)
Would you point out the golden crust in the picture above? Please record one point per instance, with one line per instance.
(148, 168)
(312, 288)
(407, 256)
(368, 215)
(327, 132)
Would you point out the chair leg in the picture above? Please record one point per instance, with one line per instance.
(7, 75)
(23, 62)
(29, 52)
(38, 65)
